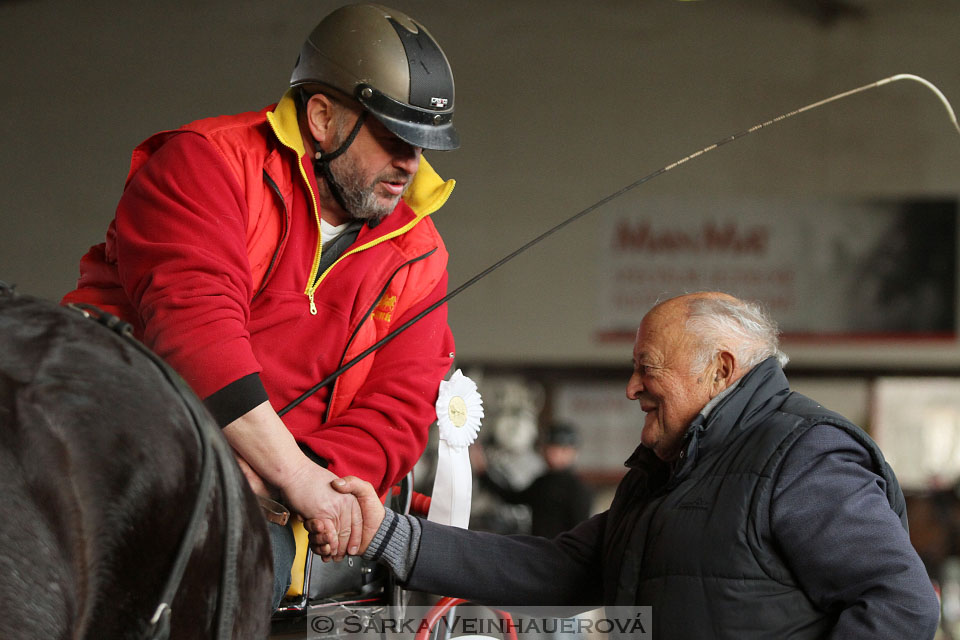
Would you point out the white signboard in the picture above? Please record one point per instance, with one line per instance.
(823, 268)
(609, 424)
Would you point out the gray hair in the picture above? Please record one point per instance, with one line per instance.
(742, 327)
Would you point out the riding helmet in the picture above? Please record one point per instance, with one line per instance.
(388, 62)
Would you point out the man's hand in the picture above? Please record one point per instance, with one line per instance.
(260, 438)
(371, 509)
(333, 515)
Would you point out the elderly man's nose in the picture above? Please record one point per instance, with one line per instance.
(634, 387)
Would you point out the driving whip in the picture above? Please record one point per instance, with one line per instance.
(613, 196)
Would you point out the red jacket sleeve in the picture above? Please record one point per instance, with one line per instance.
(183, 263)
(384, 431)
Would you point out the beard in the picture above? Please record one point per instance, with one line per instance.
(359, 195)
(357, 192)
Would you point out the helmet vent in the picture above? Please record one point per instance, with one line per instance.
(431, 83)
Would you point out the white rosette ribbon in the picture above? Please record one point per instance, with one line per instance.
(459, 412)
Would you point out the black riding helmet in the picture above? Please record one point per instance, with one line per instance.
(389, 63)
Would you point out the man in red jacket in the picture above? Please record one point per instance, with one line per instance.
(259, 252)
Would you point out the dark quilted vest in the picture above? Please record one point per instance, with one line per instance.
(696, 545)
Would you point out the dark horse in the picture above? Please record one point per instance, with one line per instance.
(122, 511)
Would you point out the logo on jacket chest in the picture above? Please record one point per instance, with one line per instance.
(694, 503)
(384, 309)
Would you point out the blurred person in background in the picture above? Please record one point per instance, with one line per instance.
(558, 499)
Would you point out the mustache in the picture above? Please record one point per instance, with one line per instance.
(393, 176)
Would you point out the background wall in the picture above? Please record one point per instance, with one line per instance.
(558, 104)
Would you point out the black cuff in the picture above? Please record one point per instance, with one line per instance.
(236, 399)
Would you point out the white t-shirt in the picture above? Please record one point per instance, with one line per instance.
(329, 232)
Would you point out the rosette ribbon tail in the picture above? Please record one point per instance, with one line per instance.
(452, 487)
(459, 412)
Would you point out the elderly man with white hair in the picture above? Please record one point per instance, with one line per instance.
(748, 511)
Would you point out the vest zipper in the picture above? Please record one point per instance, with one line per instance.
(283, 236)
(316, 256)
(363, 318)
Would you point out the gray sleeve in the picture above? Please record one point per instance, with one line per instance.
(494, 569)
(395, 543)
(515, 570)
(846, 547)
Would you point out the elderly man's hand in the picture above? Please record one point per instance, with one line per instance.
(334, 515)
(372, 512)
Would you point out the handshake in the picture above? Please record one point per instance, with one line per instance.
(341, 514)
(349, 528)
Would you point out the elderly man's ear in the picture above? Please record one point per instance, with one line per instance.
(724, 373)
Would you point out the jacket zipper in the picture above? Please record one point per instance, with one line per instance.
(318, 278)
(316, 257)
(376, 301)
(283, 235)
(313, 281)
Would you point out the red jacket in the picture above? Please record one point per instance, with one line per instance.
(212, 257)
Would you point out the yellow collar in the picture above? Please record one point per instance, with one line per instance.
(427, 191)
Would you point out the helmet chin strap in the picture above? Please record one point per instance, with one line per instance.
(321, 163)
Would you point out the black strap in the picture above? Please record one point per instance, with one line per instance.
(321, 162)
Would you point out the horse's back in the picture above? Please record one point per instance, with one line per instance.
(101, 462)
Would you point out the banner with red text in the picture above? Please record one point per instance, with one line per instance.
(824, 268)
